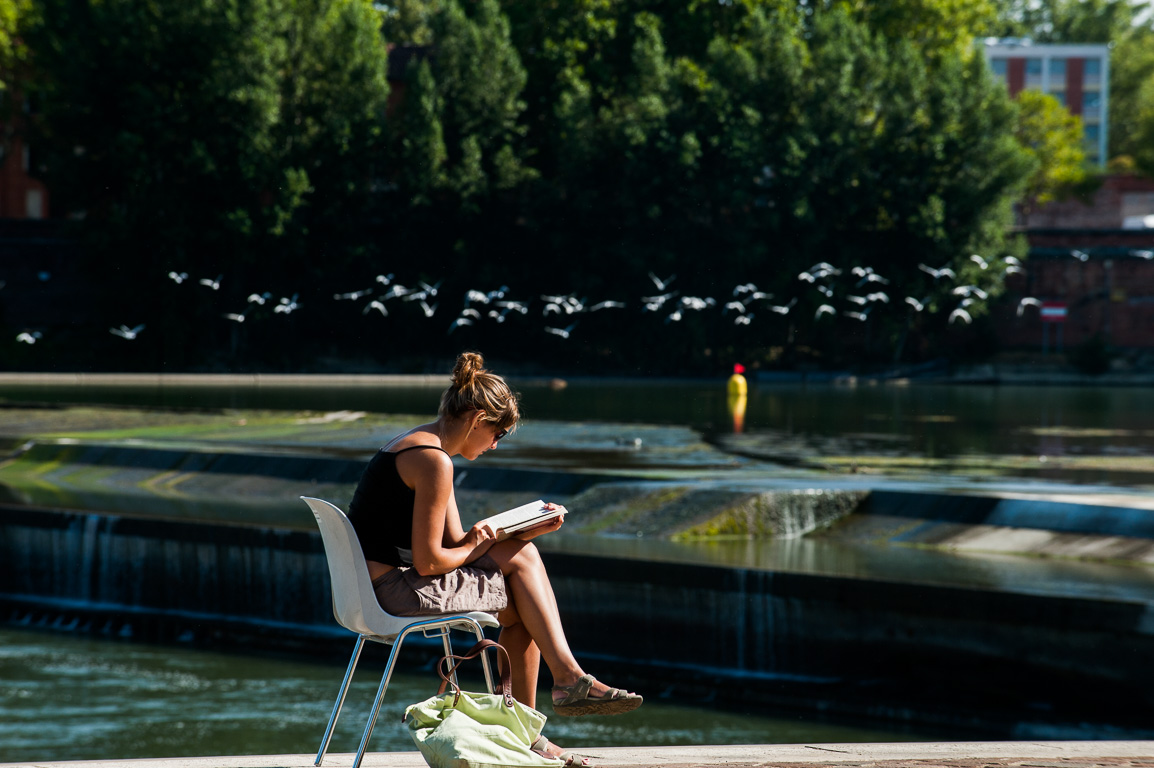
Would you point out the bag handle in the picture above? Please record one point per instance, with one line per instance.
(506, 687)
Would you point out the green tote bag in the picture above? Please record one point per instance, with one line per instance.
(461, 729)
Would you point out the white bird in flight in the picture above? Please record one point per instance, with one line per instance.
(213, 284)
(178, 277)
(1029, 301)
(352, 296)
(377, 305)
(661, 284)
(29, 337)
(982, 263)
(971, 290)
(125, 332)
(961, 314)
(523, 308)
(472, 295)
(938, 273)
(783, 309)
(868, 275)
(562, 332)
(287, 306)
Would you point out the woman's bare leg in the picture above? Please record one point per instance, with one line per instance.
(535, 608)
(524, 656)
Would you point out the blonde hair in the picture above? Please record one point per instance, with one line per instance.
(476, 389)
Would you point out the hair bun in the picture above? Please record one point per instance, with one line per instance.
(469, 364)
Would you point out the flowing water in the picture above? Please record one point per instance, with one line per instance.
(78, 697)
(68, 695)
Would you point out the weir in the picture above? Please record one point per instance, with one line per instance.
(1000, 660)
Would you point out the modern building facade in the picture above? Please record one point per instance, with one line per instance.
(1078, 76)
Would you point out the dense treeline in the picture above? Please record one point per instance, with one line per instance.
(586, 149)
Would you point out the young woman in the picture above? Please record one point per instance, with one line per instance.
(422, 561)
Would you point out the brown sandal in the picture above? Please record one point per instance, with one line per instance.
(577, 700)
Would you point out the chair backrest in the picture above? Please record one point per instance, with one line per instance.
(354, 601)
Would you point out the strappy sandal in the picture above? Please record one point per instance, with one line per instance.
(565, 759)
(577, 700)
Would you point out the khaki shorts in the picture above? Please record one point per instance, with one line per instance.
(478, 586)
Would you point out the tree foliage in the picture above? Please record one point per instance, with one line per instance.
(205, 136)
(13, 15)
(1054, 138)
(536, 148)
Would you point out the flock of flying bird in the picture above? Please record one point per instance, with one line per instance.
(858, 294)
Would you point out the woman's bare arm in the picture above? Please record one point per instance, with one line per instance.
(439, 543)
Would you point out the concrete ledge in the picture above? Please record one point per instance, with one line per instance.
(1052, 754)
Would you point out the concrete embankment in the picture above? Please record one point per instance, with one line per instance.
(1000, 661)
(852, 596)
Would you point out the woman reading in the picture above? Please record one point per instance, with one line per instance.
(422, 561)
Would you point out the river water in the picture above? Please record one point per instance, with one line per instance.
(930, 420)
(70, 695)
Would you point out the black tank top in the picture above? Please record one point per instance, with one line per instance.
(382, 510)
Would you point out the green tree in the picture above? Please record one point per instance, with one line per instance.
(1132, 98)
(932, 26)
(196, 136)
(1054, 138)
(13, 13)
(457, 134)
(1066, 21)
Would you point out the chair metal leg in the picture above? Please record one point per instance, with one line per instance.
(489, 679)
(340, 699)
(445, 628)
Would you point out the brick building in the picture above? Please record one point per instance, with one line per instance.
(1096, 283)
(21, 195)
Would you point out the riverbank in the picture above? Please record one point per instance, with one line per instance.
(850, 620)
(1009, 754)
(1054, 372)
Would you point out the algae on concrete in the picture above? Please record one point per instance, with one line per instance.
(777, 514)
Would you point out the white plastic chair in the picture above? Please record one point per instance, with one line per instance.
(356, 608)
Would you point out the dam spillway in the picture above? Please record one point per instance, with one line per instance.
(858, 597)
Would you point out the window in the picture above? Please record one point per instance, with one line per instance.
(1091, 104)
(1091, 133)
(1092, 73)
(34, 204)
(1033, 73)
(998, 67)
(1057, 72)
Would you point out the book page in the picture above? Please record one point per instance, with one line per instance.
(519, 518)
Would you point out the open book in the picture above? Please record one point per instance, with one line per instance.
(522, 518)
